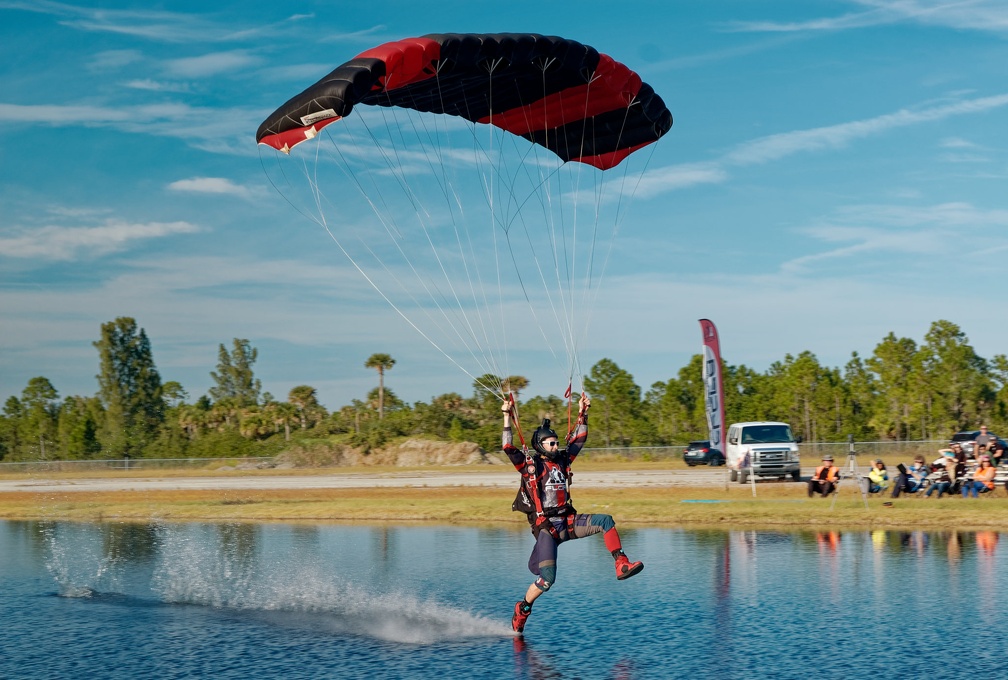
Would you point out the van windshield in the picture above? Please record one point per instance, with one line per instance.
(767, 434)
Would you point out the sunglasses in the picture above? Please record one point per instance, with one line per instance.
(550, 442)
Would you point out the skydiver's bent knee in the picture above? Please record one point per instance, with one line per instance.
(587, 525)
(547, 577)
(603, 522)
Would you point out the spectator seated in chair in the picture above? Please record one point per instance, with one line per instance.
(983, 479)
(825, 478)
(878, 477)
(944, 476)
(911, 479)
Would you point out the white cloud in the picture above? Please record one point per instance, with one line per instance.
(68, 243)
(210, 64)
(113, 60)
(980, 15)
(210, 185)
(923, 232)
(682, 176)
(956, 143)
(214, 130)
(774, 147)
(779, 146)
(156, 85)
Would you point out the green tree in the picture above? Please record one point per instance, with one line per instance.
(860, 394)
(283, 414)
(304, 398)
(382, 363)
(514, 384)
(174, 394)
(234, 377)
(956, 386)
(40, 410)
(79, 421)
(10, 426)
(892, 362)
(618, 400)
(129, 388)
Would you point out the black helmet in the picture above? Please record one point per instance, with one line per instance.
(544, 432)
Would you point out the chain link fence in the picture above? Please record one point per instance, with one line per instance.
(811, 452)
(136, 464)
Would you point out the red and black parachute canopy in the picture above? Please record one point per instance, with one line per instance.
(560, 94)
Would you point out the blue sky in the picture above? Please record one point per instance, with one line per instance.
(836, 171)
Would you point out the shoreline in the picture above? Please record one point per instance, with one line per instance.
(636, 496)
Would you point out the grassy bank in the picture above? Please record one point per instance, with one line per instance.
(777, 506)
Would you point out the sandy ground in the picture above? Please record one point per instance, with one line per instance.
(699, 477)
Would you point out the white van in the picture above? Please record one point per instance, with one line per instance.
(767, 449)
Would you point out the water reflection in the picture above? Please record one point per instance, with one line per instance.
(391, 600)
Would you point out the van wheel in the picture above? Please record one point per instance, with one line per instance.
(796, 475)
(743, 476)
(733, 475)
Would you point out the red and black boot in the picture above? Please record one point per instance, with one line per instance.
(521, 613)
(625, 568)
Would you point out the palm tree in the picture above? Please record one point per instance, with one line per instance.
(515, 384)
(382, 362)
(305, 399)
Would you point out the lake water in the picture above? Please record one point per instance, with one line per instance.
(117, 600)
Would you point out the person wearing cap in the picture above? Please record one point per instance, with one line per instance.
(544, 497)
(878, 477)
(944, 475)
(825, 478)
(911, 479)
(983, 479)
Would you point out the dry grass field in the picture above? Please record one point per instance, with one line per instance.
(777, 505)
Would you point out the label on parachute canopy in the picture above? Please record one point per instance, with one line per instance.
(317, 116)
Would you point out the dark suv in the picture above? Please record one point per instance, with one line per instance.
(701, 453)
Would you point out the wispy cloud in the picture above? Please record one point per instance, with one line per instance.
(215, 130)
(210, 64)
(980, 15)
(956, 143)
(149, 85)
(779, 146)
(210, 185)
(674, 177)
(113, 60)
(896, 230)
(155, 25)
(69, 243)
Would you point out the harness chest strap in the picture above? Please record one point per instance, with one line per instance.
(532, 488)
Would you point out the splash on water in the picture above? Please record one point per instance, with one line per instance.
(197, 565)
(301, 593)
(77, 561)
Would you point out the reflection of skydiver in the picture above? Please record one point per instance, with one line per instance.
(544, 498)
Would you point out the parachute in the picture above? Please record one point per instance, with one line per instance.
(436, 186)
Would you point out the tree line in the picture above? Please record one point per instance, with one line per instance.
(904, 391)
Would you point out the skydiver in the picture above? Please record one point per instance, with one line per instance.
(544, 498)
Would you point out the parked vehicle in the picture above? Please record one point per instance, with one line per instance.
(701, 453)
(766, 449)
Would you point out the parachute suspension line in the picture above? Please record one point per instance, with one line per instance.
(297, 208)
(620, 213)
(448, 279)
(391, 303)
(477, 289)
(393, 232)
(489, 184)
